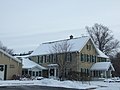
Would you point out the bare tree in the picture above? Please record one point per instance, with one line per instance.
(116, 63)
(4, 48)
(103, 38)
(61, 49)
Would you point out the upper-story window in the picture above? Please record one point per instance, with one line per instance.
(54, 58)
(88, 47)
(69, 57)
(88, 58)
(82, 57)
(47, 58)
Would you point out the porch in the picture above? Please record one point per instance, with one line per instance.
(102, 70)
(53, 71)
(31, 69)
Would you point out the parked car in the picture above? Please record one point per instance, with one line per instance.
(39, 78)
(115, 79)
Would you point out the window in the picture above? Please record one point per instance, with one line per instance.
(85, 57)
(67, 71)
(82, 57)
(54, 58)
(38, 60)
(33, 73)
(40, 73)
(37, 73)
(12, 66)
(68, 57)
(88, 58)
(87, 71)
(41, 59)
(88, 47)
(93, 58)
(51, 58)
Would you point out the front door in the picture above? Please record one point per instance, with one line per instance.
(51, 72)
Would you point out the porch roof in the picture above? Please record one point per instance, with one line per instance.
(52, 65)
(102, 66)
(28, 64)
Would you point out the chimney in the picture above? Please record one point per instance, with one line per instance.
(71, 36)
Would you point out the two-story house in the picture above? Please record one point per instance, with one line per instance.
(74, 54)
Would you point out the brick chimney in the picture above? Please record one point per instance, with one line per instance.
(71, 36)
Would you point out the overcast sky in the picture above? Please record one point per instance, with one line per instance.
(24, 24)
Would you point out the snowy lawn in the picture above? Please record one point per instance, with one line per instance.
(97, 85)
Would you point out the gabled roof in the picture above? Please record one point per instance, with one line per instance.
(101, 54)
(28, 64)
(103, 66)
(10, 56)
(77, 45)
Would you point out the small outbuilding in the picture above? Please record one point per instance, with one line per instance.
(9, 66)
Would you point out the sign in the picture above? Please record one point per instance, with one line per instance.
(2, 67)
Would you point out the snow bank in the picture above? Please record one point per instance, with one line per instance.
(97, 85)
(48, 82)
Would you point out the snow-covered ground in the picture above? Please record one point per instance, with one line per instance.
(97, 85)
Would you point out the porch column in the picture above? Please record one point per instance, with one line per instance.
(105, 74)
(28, 72)
(54, 72)
(49, 73)
(110, 74)
(41, 72)
(31, 73)
(92, 73)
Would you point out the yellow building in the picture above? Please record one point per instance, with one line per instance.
(9, 66)
(79, 55)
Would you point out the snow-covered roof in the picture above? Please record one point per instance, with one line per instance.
(10, 56)
(76, 43)
(103, 66)
(24, 56)
(52, 65)
(101, 54)
(28, 64)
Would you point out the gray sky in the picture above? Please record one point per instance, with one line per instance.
(24, 24)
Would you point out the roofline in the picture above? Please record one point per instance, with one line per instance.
(52, 53)
(49, 42)
(97, 49)
(36, 66)
(88, 38)
(110, 64)
(84, 43)
(15, 59)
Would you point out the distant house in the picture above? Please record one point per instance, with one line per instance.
(9, 66)
(83, 58)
